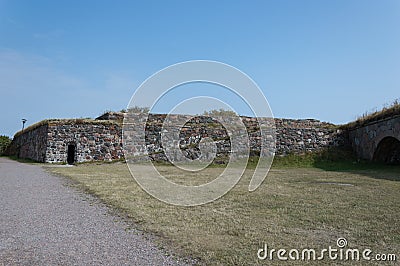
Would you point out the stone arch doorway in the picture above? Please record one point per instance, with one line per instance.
(71, 153)
(388, 151)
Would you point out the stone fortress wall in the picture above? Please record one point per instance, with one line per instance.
(307, 135)
(49, 140)
(377, 140)
(30, 143)
(93, 141)
(292, 136)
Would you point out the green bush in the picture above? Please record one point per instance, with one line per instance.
(4, 142)
(220, 112)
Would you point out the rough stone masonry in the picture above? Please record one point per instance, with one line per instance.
(100, 139)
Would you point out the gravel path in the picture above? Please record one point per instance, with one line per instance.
(44, 222)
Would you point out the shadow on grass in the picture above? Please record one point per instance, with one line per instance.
(374, 170)
(339, 160)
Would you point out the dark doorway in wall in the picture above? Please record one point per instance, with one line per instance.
(388, 151)
(71, 153)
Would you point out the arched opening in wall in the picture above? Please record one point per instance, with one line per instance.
(71, 150)
(388, 151)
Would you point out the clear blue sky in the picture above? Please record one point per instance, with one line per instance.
(329, 60)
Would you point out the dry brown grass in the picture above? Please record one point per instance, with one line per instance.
(74, 121)
(293, 208)
(390, 110)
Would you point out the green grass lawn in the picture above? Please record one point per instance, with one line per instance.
(294, 208)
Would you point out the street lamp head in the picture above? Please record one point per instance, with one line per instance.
(23, 123)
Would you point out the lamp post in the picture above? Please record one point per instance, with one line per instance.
(23, 123)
